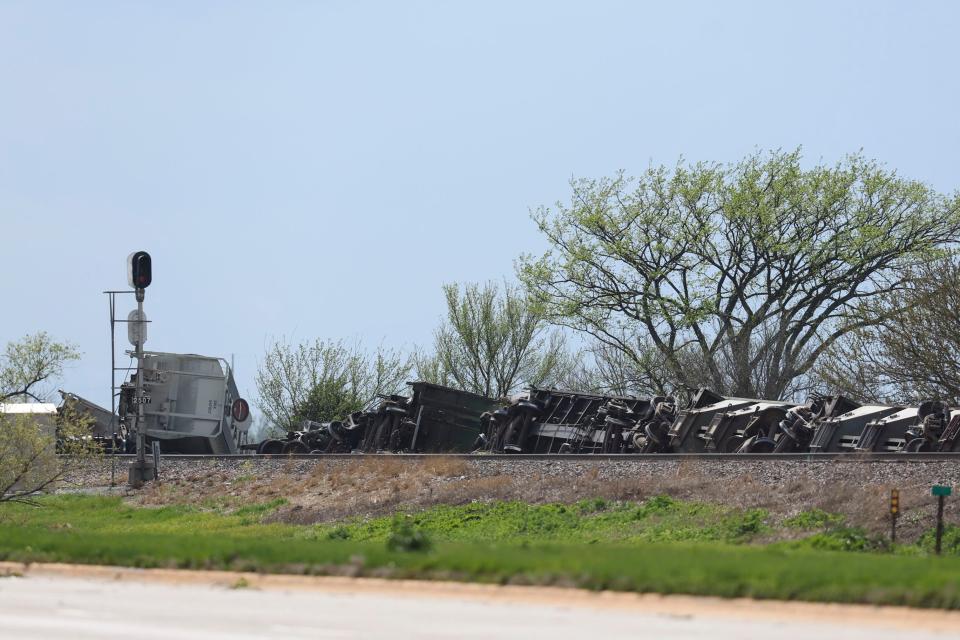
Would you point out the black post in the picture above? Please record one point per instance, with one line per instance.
(939, 523)
(894, 513)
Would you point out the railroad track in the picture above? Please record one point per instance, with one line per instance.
(573, 457)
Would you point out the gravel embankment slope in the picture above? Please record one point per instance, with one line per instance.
(323, 489)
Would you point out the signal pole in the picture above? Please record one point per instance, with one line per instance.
(139, 274)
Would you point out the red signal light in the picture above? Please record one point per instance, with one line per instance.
(139, 269)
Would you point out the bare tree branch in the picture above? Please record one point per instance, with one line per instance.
(493, 341)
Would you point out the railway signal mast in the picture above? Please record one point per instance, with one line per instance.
(139, 276)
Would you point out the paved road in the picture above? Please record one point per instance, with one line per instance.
(45, 607)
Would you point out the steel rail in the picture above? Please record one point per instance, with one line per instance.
(584, 457)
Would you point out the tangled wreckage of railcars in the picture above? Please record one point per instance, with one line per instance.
(437, 419)
(433, 419)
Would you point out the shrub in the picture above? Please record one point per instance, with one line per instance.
(749, 523)
(951, 539)
(339, 532)
(845, 539)
(405, 536)
(656, 505)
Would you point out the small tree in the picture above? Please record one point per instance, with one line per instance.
(493, 341)
(29, 448)
(913, 354)
(739, 276)
(29, 363)
(324, 380)
(29, 442)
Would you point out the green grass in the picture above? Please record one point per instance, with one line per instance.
(813, 519)
(660, 519)
(661, 545)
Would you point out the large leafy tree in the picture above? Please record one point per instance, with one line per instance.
(913, 353)
(493, 341)
(735, 276)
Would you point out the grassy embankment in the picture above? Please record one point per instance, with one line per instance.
(661, 545)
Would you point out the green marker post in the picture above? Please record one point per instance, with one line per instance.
(941, 492)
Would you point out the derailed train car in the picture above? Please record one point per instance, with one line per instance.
(189, 405)
(710, 423)
(435, 419)
(194, 405)
(432, 419)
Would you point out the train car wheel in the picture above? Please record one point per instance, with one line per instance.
(268, 447)
(763, 445)
(295, 446)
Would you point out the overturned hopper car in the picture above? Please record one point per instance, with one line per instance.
(190, 404)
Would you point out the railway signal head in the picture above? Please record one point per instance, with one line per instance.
(139, 270)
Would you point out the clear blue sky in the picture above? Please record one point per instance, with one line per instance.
(319, 169)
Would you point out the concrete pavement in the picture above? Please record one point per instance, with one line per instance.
(78, 607)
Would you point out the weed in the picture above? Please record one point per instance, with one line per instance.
(655, 505)
(592, 506)
(260, 508)
(843, 539)
(339, 532)
(241, 583)
(747, 524)
(814, 519)
(406, 536)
